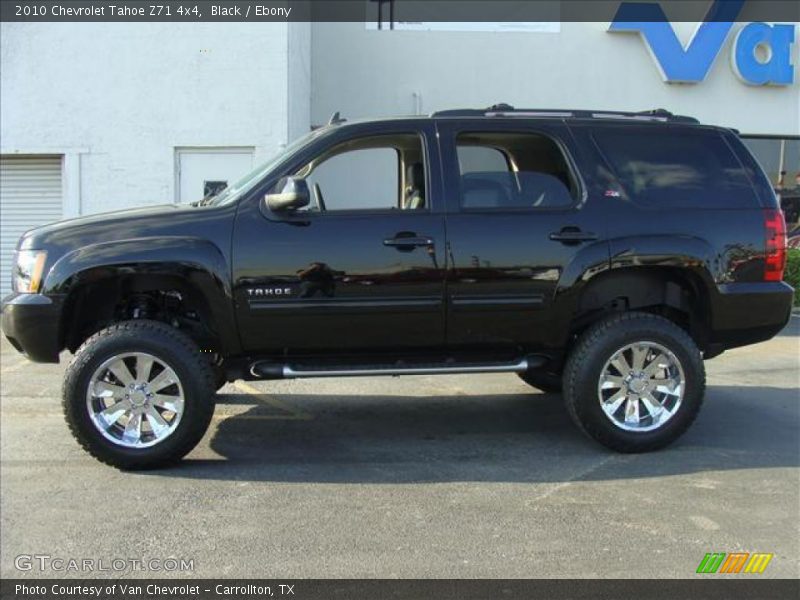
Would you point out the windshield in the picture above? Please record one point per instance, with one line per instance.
(235, 190)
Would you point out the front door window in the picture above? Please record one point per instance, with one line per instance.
(372, 173)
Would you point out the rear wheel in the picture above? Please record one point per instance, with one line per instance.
(634, 382)
(138, 394)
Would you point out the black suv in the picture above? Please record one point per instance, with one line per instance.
(605, 254)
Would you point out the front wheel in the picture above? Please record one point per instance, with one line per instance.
(634, 382)
(220, 379)
(138, 394)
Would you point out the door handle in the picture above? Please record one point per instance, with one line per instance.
(401, 241)
(572, 235)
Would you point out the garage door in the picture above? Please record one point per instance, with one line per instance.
(30, 195)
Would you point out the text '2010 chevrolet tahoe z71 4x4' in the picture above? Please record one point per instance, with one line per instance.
(602, 254)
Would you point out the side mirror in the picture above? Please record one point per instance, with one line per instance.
(290, 193)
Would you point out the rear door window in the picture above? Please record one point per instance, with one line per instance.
(504, 170)
(676, 169)
(477, 159)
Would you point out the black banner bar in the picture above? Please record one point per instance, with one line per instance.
(400, 10)
(711, 587)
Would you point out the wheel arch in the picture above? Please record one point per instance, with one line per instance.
(675, 292)
(94, 279)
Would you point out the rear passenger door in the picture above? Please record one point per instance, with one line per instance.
(518, 220)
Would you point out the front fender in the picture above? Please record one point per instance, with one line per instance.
(196, 261)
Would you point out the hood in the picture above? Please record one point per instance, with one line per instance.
(152, 221)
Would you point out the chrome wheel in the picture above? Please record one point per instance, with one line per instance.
(135, 400)
(641, 386)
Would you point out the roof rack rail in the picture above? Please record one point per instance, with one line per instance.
(336, 119)
(506, 110)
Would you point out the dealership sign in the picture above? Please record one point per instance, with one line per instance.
(761, 54)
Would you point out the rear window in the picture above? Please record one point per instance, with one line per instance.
(684, 169)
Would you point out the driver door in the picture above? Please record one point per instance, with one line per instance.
(361, 268)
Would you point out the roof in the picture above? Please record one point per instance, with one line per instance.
(506, 111)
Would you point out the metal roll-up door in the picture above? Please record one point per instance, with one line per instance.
(30, 195)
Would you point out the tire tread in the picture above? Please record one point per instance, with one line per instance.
(137, 328)
(581, 354)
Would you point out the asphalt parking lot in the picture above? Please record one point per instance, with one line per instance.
(456, 476)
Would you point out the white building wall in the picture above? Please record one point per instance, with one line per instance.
(299, 47)
(117, 99)
(365, 73)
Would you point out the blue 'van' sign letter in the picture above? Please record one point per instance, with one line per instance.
(777, 42)
(691, 64)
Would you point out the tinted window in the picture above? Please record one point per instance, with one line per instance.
(502, 170)
(676, 169)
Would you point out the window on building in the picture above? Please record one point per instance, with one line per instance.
(683, 169)
(513, 171)
(380, 172)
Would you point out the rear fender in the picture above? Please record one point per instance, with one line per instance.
(682, 252)
(588, 270)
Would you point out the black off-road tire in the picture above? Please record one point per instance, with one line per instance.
(588, 358)
(549, 383)
(160, 340)
(219, 378)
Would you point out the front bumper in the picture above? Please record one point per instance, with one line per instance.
(31, 323)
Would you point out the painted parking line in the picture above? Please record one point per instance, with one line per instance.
(33, 414)
(288, 413)
(15, 366)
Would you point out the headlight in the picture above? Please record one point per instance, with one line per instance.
(28, 271)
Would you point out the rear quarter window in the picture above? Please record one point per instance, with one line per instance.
(676, 169)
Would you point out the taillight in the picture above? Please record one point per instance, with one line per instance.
(774, 245)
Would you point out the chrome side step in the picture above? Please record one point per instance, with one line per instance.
(275, 371)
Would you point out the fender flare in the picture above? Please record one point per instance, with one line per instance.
(197, 261)
(619, 255)
(691, 253)
(587, 263)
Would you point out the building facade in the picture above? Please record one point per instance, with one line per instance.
(566, 65)
(97, 116)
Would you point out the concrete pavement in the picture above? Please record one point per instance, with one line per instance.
(449, 476)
